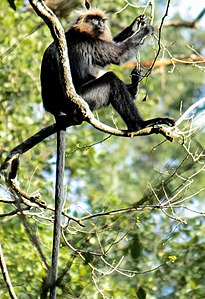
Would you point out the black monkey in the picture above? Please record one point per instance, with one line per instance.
(90, 44)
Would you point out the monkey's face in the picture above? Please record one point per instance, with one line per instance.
(93, 23)
(97, 24)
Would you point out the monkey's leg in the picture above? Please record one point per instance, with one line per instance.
(109, 89)
(96, 93)
(133, 89)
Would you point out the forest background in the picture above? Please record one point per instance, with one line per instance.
(141, 199)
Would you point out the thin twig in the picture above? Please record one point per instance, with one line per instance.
(189, 110)
(159, 39)
(6, 276)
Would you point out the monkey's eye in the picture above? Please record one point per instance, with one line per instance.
(95, 21)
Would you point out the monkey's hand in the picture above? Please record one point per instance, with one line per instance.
(136, 26)
(138, 23)
(147, 29)
(138, 37)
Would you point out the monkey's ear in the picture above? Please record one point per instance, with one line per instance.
(87, 5)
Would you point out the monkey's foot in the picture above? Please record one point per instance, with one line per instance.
(136, 74)
(159, 121)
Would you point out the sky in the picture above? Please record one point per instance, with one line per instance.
(188, 9)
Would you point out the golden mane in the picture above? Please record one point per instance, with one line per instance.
(82, 26)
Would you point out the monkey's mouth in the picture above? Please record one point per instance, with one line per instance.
(98, 31)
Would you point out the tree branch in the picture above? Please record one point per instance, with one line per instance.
(189, 110)
(176, 59)
(58, 35)
(159, 39)
(187, 24)
(9, 166)
(5, 274)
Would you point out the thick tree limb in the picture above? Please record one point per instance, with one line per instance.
(63, 62)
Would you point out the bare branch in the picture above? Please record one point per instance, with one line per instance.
(5, 274)
(177, 59)
(187, 24)
(159, 39)
(189, 110)
(33, 238)
(9, 170)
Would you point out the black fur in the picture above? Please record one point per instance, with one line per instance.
(85, 53)
(131, 29)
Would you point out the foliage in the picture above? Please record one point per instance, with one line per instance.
(133, 253)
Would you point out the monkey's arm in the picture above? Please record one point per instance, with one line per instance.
(130, 30)
(104, 53)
